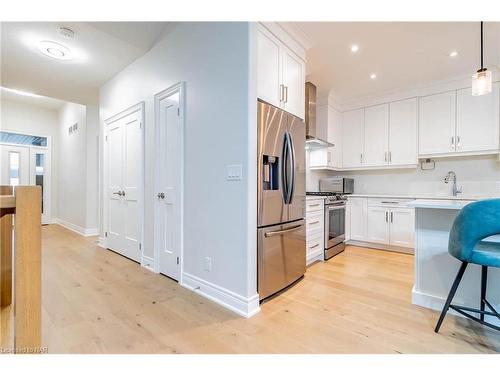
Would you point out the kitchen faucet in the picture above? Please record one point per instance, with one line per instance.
(453, 176)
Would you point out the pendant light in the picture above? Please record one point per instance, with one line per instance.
(481, 80)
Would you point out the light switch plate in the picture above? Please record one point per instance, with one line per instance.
(234, 172)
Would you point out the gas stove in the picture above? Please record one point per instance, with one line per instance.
(330, 197)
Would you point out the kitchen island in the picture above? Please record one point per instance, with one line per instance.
(435, 268)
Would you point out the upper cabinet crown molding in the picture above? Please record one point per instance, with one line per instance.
(280, 73)
(288, 37)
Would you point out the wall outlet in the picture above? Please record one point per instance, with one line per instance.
(234, 172)
(208, 264)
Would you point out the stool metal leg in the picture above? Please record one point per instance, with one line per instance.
(453, 290)
(484, 282)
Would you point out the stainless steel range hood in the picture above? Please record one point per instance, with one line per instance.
(312, 141)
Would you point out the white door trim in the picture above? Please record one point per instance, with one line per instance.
(179, 87)
(135, 108)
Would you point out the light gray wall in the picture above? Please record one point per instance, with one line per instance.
(213, 60)
(92, 167)
(478, 175)
(27, 118)
(72, 165)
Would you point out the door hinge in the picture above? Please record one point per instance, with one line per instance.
(178, 111)
(177, 260)
(105, 234)
(140, 125)
(140, 246)
(106, 138)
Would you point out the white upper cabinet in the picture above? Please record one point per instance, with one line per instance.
(268, 77)
(477, 121)
(437, 123)
(403, 132)
(293, 69)
(280, 74)
(328, 128)
(352, 138)
(376, 135)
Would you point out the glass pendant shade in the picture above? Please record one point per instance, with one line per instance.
(481, 82)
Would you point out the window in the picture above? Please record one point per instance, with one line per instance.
(14, 168)
(22, 139)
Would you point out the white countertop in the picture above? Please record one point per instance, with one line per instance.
(425, 196)
(441, 204)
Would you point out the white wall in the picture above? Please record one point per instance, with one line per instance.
(92, 168)
(477, 175)
(213, 60)
(26, 118)
(72, 166)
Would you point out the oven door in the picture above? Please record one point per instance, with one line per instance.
(334, 224)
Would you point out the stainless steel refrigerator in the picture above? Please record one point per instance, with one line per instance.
(281, 241)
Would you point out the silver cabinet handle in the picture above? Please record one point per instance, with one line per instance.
(458, 141)
(286, 94)
(385, 156)
(390, 156)
(386, 216)
(314, 205)
(384, 202)
(361, 158)
(313, 246)
(282, 95)
(278, 232)
(391, 216)
(452, 142)
(314, 222)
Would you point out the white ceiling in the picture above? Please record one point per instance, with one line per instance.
(403, 55)
(38, 101)
(101, 50)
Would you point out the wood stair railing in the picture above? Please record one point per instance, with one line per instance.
(24, 203)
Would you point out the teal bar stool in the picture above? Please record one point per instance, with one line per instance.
(473, 224)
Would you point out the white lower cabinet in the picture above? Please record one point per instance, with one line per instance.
(358, 211)
(381, 221)
(315, 229)
(377, 228)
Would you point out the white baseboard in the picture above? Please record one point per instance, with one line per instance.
(371, 245)
(316, 256)
(243, 306)
(148, 263)
(430, 301)
(86, 232)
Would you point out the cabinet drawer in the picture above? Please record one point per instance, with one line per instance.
(314, 243)
(314, 205)
(388, 202)
(315, 224)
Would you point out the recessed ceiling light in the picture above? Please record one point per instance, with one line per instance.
(373, 76)
(453, 53)
(54, 50)
(354, 48)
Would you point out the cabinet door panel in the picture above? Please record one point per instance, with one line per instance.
(376, 135)
(378, 225)
(358, 207)
(352, 138)
(402, 227)
(403, 132)
(268, 68)
(477, 121)
(294, 82)
(335, 137)
(437, 123)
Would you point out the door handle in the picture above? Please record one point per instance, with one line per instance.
(118, 193)
(278, 232)
(161, 195)
(123, 192)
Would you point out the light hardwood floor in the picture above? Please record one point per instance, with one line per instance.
(95, 301)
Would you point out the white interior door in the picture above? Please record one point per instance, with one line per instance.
(124, 185)
(15, 164)
(168, 227)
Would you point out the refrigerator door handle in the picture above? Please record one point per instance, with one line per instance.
(291, 155)
(278, 232)
(284, 169)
